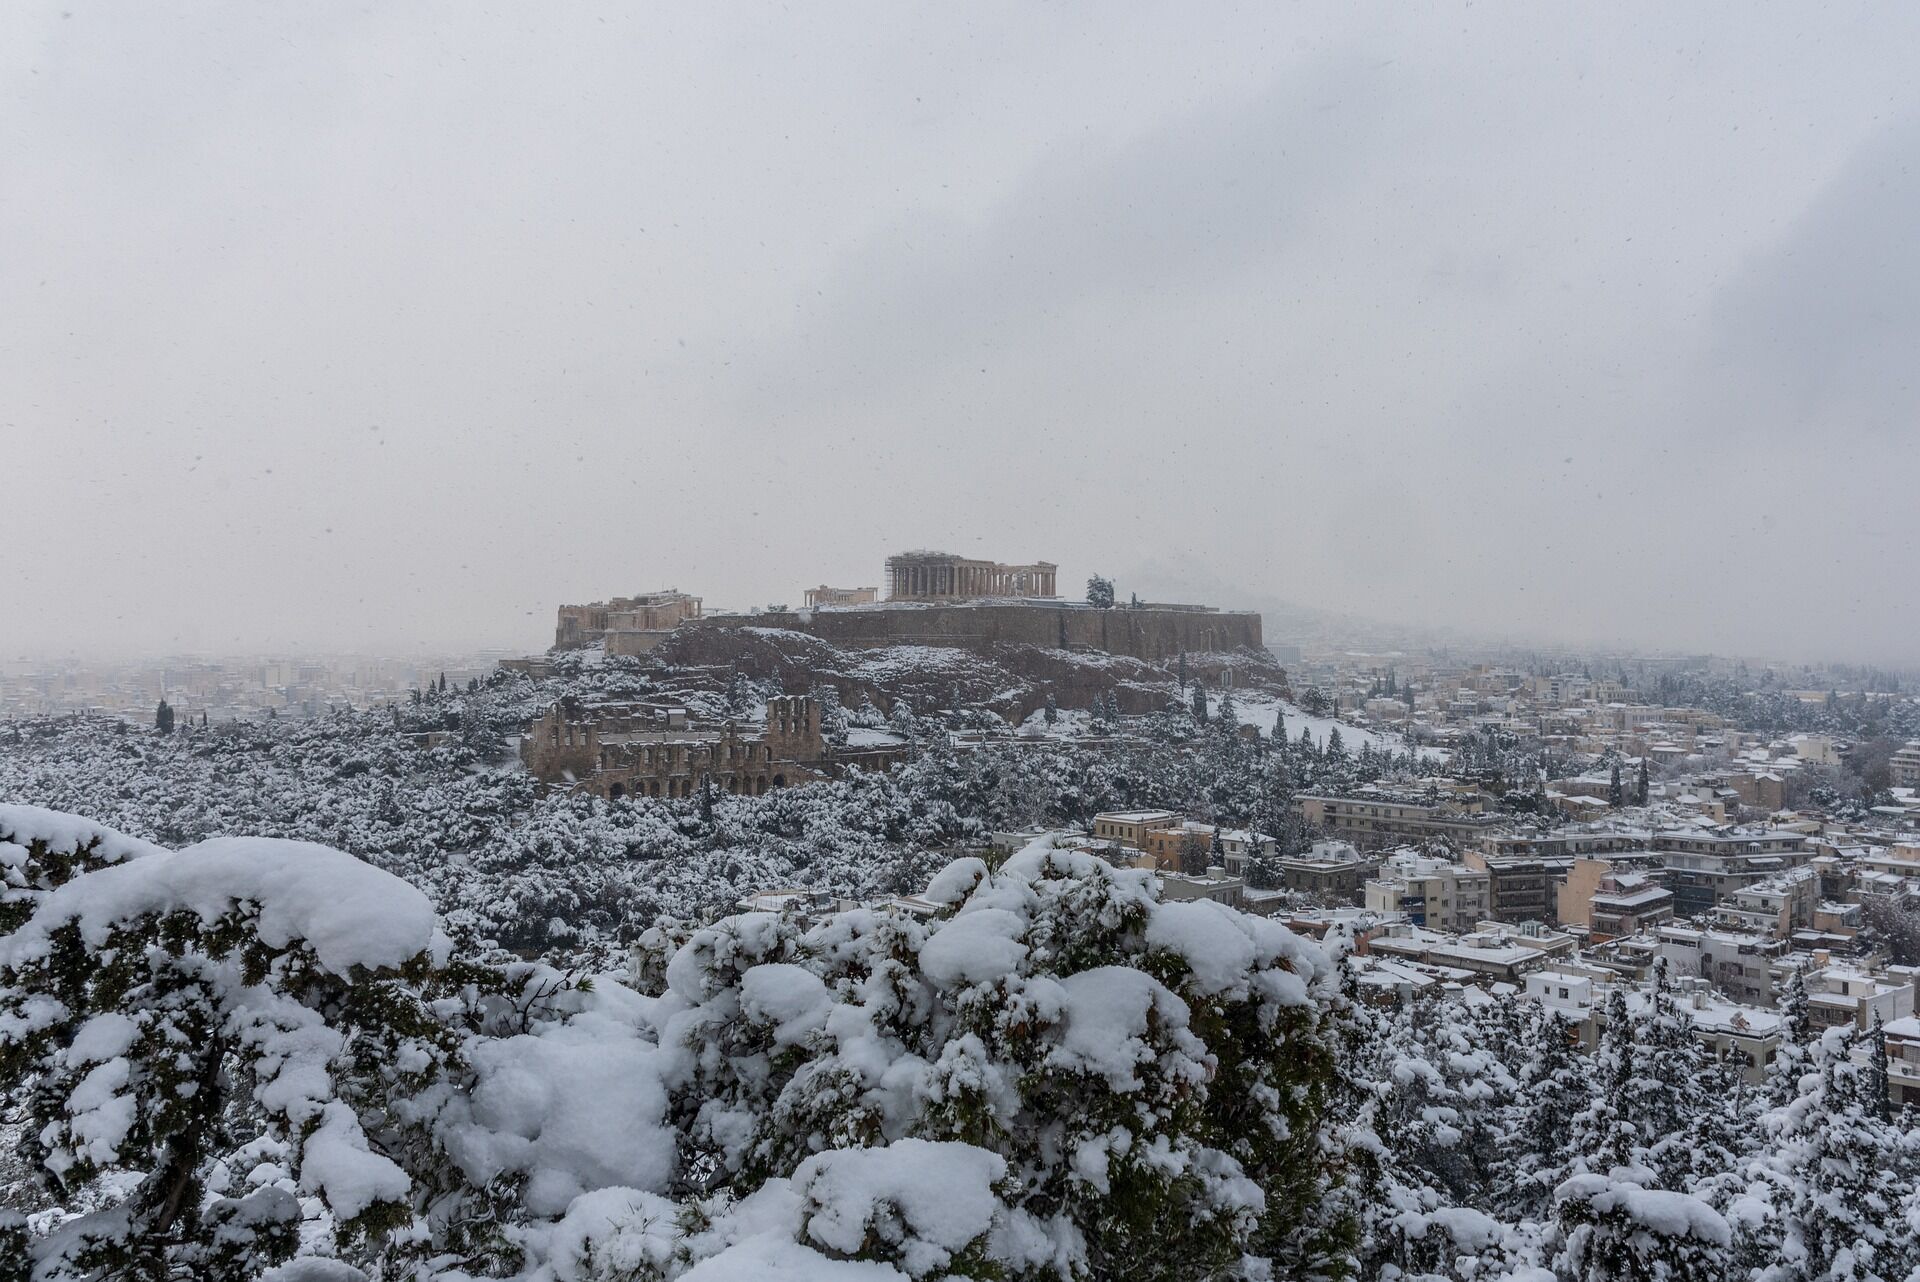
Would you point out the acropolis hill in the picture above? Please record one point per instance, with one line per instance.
(934, 599)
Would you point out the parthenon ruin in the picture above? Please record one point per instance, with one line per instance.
(941, 576)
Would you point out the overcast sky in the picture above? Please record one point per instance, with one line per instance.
(393, 327)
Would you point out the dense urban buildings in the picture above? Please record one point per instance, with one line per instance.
(1430, 892)
(241, 687)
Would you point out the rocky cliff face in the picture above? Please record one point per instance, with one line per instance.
(1152, 634)
(1012, 679)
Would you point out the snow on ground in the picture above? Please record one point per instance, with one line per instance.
(1260, 709)
(1069, 723)
(867, 737)
(1255, 710)
(913, 660)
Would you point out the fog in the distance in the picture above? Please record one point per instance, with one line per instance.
(395, 326)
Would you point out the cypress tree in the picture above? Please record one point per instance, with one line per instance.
(1604, 1133)
(1554, 1089)
(1842, 1173)
(1878, 1103)
(1796, 1020)
(1796, 1036)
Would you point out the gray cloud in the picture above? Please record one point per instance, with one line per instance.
(1094, 223)
(1817, 331)
(394, 328)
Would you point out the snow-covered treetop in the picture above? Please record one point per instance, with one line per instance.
(350, 913)
(22, 826)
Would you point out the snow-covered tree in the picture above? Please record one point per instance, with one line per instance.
(1796, 1039)
(1554, 1089)
(1051, 1015)
(1058, 1076)
(1229, 713)
(1668, 1090)
(1605, 1133)
(1840, 1177)
(151, 1006)
(1615, 1230)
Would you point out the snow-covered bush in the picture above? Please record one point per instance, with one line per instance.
(1057, 1076)
(1152, 1074)
(148, 1000)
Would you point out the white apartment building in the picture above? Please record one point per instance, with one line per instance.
(1431, 892)
(1904, 766)
(1740, 964)
(1846, 996)
(1903, 1061)
(1750, 1035)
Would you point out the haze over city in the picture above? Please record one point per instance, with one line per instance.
(336, 328)
(884, 643)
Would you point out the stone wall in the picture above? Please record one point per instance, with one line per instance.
(631, 643)
(1154, 635)
(650, 612)
(636, 750)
